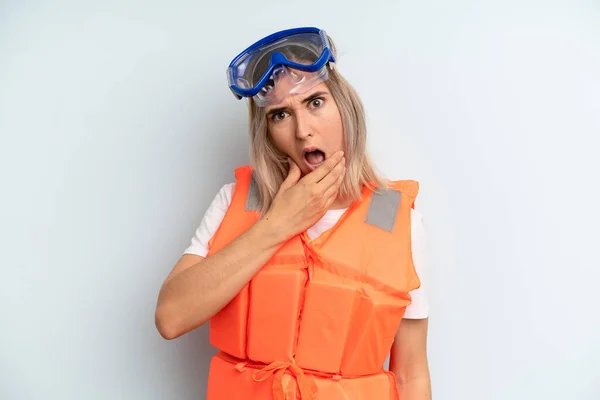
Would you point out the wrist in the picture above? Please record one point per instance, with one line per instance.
(271, 231)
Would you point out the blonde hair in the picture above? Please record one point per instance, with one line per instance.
(271, 165)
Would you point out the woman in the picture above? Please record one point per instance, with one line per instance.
(304, 265)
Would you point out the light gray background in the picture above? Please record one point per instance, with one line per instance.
(117, 129)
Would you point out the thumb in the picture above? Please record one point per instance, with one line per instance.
(293, 175)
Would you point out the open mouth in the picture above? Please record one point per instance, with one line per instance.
(314, 157)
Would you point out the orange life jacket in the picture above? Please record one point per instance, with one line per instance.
(318, 320)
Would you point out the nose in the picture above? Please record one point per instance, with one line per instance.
(303, 129)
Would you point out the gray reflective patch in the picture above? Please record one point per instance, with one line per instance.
(383, 209)
(252, 199)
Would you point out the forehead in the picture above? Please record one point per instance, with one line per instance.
(283, 97)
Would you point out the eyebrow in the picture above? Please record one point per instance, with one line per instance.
(306, 100)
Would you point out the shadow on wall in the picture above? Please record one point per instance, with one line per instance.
(218, 145)
(196, 354)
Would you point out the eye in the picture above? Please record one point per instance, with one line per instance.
(278, 116)
(316, 103)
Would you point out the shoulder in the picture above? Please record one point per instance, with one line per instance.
(219, 205)
(416, 216)
(224, 195)
(406, 186)
(213, 216)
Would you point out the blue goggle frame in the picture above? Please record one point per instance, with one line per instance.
(278, 59)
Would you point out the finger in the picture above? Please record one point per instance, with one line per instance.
(332, 191)
(332, 177)
(323, 169)
(293, 176)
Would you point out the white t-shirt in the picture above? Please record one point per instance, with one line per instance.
(419, 308)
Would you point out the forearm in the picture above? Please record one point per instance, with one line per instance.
(192, 297)
(415, 389)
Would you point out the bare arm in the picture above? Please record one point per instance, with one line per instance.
(198, 288)
(408, 360)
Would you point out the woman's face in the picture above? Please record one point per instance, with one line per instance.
(307, 127)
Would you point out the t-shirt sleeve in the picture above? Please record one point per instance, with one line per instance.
(419, 308)
(211, 221)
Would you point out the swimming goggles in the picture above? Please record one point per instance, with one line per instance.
(293, 60)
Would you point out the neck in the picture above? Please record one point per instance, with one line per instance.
(340, 203)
